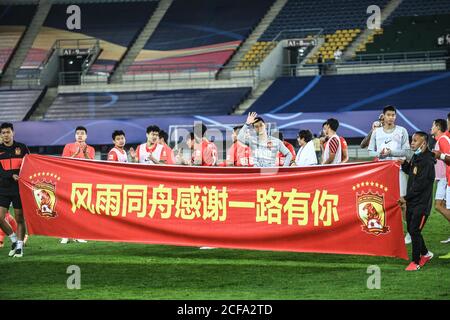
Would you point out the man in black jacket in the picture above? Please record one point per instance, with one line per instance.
(11, 156)
(419, 197)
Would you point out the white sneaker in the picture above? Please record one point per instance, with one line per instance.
(80, 241)
(407, 239)
(64, 240)
(207, 248)
(446, 241)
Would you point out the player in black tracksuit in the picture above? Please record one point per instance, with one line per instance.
(420, 170)
(11, 156)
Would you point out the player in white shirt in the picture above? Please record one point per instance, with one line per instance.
(149, 152)
(306, 155)
(118, 153)
(393, 137)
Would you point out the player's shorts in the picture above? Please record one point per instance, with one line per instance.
(6, 200)
(403, 183)
(447, 198)
(441, 189)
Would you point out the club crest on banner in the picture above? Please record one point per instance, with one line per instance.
(371, 207)
(44, 193)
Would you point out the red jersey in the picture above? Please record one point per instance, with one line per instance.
(281, 157)
(205, 154)
(240, 155)
(71, 148)
(344, 146)
(167, 155)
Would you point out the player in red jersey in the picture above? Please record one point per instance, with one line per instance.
(79, 149)
(167, 155)
(280, 156)
(118, 153)
(239, 154)
(205, 151)
(344, 150)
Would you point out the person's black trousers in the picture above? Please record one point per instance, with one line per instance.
(415, 221)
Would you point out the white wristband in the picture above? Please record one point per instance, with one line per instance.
(442, 157)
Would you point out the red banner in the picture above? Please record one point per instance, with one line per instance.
(350, 209)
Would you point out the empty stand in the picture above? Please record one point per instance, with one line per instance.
(14, 19)
(410, 34)
(406, 90)
(330, 15)
(16, 104)
(115, 24)
(144, 104)
(200, 31)
(415, 25)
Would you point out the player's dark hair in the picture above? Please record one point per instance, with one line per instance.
(81, 128)
(237, 128)
(441, 124)
(389, 108)
(153, 129)
(333, 123)
(117, 133)
(305, 135)
(190, 136)
(164, 135)
(423, 135)
(200, 128)
(7, 125)
(258, 119)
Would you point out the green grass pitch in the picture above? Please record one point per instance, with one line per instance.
(134, 271)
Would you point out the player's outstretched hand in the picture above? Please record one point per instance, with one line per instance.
(132, 152)
(251, 117)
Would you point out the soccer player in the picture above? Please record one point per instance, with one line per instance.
(446, 158)
(280, 157)
(438, 130)
(167, 155)
(239, 154)
(79, 149)
(264, 147)
(204, 151)
(418, 198)
(395, 138)
(333, 148)
(149, 152)
(344, 150)
(179, 159)
(11, 156)
(376, 124)
(118, 153)
(306, 155)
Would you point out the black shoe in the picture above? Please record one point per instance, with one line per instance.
(13, 249)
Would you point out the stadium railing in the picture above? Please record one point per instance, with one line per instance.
(161, 73)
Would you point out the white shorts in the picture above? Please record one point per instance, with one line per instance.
(441, 189)
(403, 183)
(448, 198)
